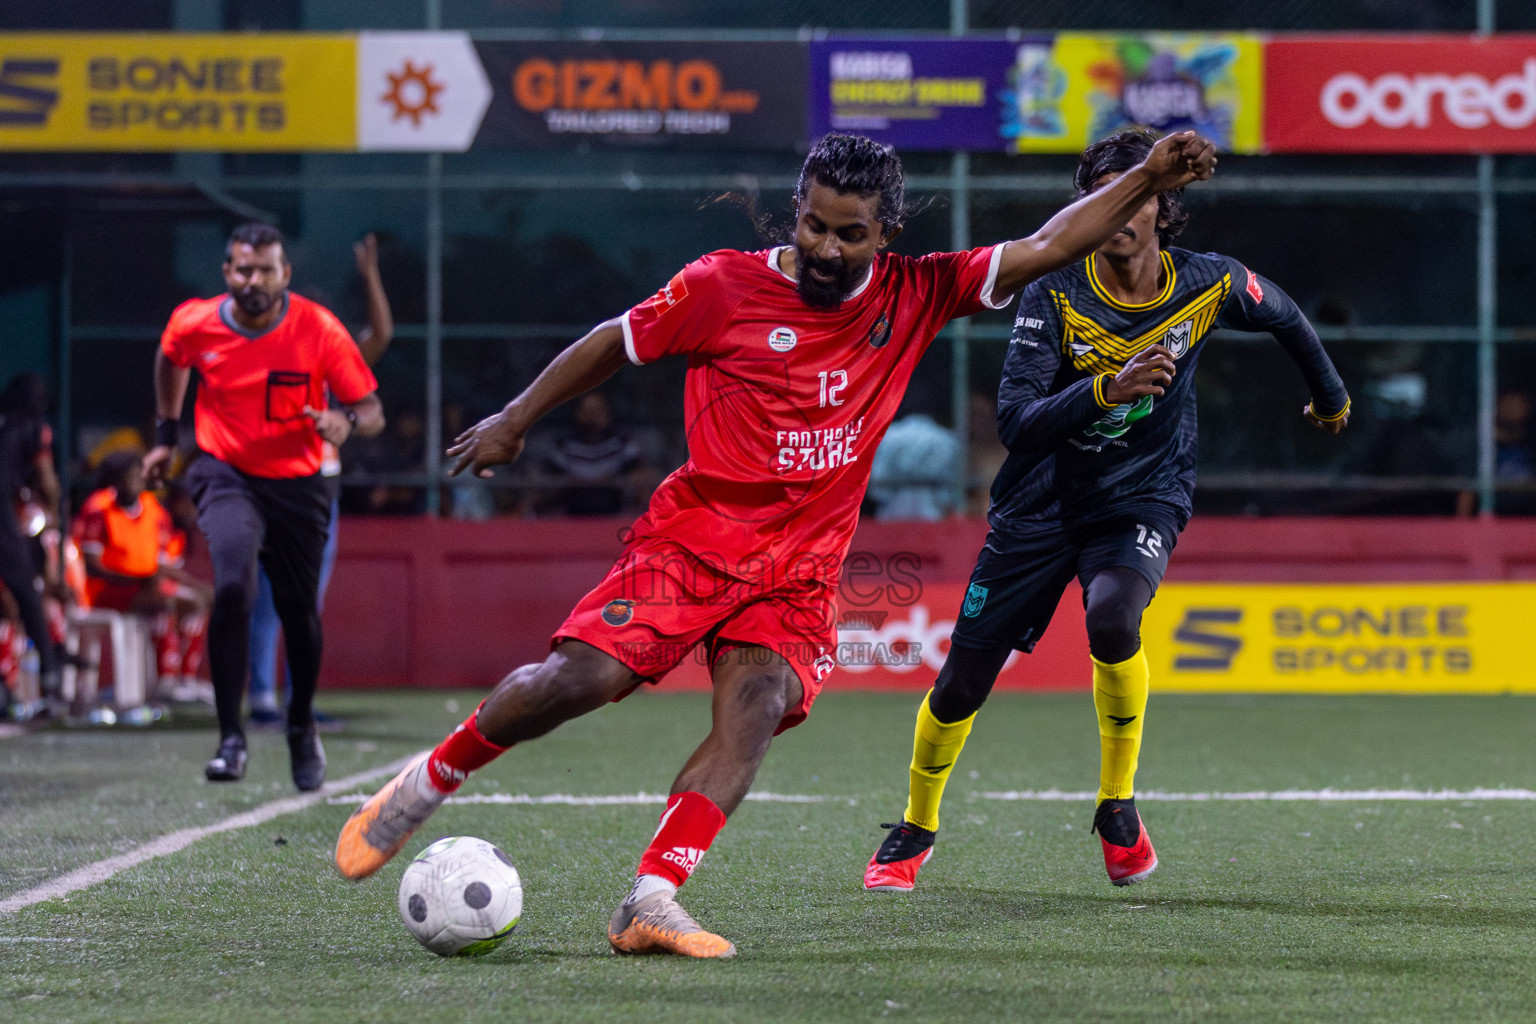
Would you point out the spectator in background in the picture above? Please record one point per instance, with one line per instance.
(984, 453)
(602, 464)
(27, 474)
(913, 476)
(1514, 457)
(372, 341)
(468, 497)
(133, 563)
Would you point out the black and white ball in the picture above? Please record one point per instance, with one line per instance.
(461, 897)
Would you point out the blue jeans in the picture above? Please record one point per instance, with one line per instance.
(265, 626)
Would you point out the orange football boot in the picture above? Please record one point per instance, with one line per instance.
(656, 924)
(378, 829)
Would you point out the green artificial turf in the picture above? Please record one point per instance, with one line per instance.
(1297, 911)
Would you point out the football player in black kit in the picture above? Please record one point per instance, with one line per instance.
(1097, 409)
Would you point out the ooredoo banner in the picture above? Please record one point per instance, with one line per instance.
(1400, 94)
(664, 94)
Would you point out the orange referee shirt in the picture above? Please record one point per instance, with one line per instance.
(128, 543)
(250, 404)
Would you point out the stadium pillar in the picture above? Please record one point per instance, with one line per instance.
(432, 16)
(1487, 305)
(960, 338)
(434, 432)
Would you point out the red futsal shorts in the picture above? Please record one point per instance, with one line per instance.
(659, 602)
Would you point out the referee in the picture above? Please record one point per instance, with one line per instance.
(269, 359)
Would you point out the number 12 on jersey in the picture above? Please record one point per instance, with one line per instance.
(832, 384)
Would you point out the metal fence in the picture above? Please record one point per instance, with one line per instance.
(494, 261)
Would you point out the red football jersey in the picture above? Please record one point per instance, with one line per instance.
(785, 403)
(250, 403)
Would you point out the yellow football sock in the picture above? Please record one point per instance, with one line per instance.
(936, 747)
(1120, 698)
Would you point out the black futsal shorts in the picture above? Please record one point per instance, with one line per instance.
(1024, 568)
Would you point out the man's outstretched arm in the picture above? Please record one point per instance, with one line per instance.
(1078, 230)
(1262, 306)
(497, 440)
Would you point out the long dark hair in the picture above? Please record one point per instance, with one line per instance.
(850, 164)
(1119, 153)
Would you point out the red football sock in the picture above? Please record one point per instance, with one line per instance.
(167, 646)
(462, 752)
(194, 634)
(688, 827)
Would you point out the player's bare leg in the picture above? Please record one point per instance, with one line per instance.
(576, 678)
(754, 690)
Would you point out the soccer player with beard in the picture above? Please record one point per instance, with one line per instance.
(798, 358)
(268, 360)
(1097, 408)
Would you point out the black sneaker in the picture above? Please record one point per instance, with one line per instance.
(894, 866)
(306, 756)
(228, 765)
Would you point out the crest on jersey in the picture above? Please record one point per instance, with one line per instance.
(782, 339)
(1177, 338)
(880, 333)
(618, 613)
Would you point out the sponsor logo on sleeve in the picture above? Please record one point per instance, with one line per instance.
(672, 293)
(1254, 288)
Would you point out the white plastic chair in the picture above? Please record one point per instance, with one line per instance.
(134, 667)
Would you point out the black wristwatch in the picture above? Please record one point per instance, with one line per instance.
(351, 417)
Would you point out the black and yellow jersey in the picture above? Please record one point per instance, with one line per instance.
(1074, 456)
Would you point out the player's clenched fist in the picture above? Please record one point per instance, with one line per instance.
(494, 441)
(1180, 158)
(1148, 373)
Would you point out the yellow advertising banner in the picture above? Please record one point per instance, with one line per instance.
(165, 91)
(1074, 88)
(1376, 638)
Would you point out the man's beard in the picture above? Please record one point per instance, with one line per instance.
(254, 301)
(824, 294)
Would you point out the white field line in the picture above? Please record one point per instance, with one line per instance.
(571, 800)
(1298, 795)
(172, 842)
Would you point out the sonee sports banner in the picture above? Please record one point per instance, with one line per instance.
(177, 92)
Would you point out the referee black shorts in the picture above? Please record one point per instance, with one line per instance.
(1024, 568)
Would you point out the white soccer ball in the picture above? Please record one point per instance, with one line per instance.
(461, 896)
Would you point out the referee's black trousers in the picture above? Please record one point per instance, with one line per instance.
(19, 575)
(280, 524)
